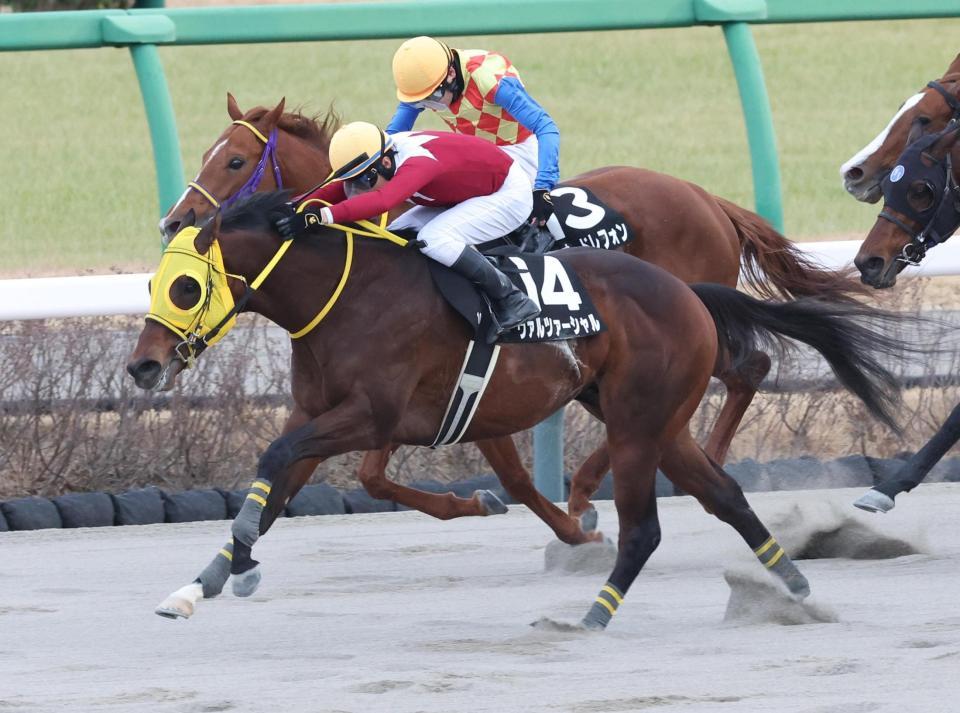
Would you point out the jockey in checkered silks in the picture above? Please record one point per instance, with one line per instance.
(480, 93)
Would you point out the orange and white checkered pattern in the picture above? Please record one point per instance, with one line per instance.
(475, 113)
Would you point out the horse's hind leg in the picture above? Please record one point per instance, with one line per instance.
(742, 384)
(586, 481)
(880, 498)
(634, 463)
(689, 467)
(502, 454)
(444, 506)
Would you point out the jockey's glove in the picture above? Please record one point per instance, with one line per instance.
(542, 206)
(291, 224)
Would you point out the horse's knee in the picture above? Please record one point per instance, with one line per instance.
(277, 457)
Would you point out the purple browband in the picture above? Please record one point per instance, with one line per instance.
(250, 187)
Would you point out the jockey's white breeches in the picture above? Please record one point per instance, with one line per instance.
(446, 231)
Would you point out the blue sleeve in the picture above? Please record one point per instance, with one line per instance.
(514, 98)
(404, 118)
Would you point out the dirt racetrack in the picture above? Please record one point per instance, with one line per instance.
(396, 612)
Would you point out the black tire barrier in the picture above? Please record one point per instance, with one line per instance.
(85, 509)
(151, 505)
(359, 501)
(143, 506)
(194, 505)
(884, 469)
(316, 499)
(749, 474)
(31, 513)
(946, 471)
(234, 500)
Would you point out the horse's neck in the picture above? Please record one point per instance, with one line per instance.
(309, 273)
(303, 164)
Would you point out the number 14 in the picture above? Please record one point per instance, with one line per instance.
(554, 277)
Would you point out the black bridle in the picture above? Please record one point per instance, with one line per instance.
(941, 219)
(951, 100)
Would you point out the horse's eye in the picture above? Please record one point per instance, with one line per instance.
(236, 163)
(921, 195)
(185, 292)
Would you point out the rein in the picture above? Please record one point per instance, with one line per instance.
(250, 187)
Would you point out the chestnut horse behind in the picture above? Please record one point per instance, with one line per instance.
(932, 107)
(644, 376)
(677, 225)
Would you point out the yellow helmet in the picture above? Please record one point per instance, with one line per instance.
(419, 67)
(355, 147)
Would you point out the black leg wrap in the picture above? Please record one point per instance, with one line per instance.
(242, 559)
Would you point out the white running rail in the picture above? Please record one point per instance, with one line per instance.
(108, 295)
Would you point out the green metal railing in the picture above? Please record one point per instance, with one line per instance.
(142, 29)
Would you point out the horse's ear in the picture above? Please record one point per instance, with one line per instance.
(272, 117)
(232, 109)
(954, 66)
(946, 141)
(208, 233)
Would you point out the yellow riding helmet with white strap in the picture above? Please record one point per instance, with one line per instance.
(355, 147)
(419, 67)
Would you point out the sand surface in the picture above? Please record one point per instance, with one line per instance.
(396, 612)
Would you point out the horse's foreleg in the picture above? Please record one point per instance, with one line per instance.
(502, 455)
(634, 461)
(210, 582)
(690, 468)
(742, 385)
(880, 498)
(444, 506)
(245, 569)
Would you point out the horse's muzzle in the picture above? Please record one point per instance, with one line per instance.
(151, 375)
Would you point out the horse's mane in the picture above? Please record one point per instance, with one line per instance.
(316, 129)
(255, 212)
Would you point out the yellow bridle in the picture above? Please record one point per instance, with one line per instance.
(215, 312)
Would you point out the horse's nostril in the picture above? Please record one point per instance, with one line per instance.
(170, 228)
(854, 174)
(144, 370)
(871, 266)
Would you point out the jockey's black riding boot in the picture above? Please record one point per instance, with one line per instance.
(511, 306)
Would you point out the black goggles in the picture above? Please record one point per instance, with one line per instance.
(918, 167)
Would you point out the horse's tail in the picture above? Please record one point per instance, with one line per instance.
(774, 267)
(850, 336)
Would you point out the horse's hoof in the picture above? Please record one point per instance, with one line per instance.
(798, 585)
(875, 501)
(492, 504)
(246, 584)
(180, 604)
(170, 609)
(589, 520)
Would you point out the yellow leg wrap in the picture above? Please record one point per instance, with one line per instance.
(257, 498)
(262, 486)
(764, 547)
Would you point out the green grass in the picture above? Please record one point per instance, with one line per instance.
(77, 180)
